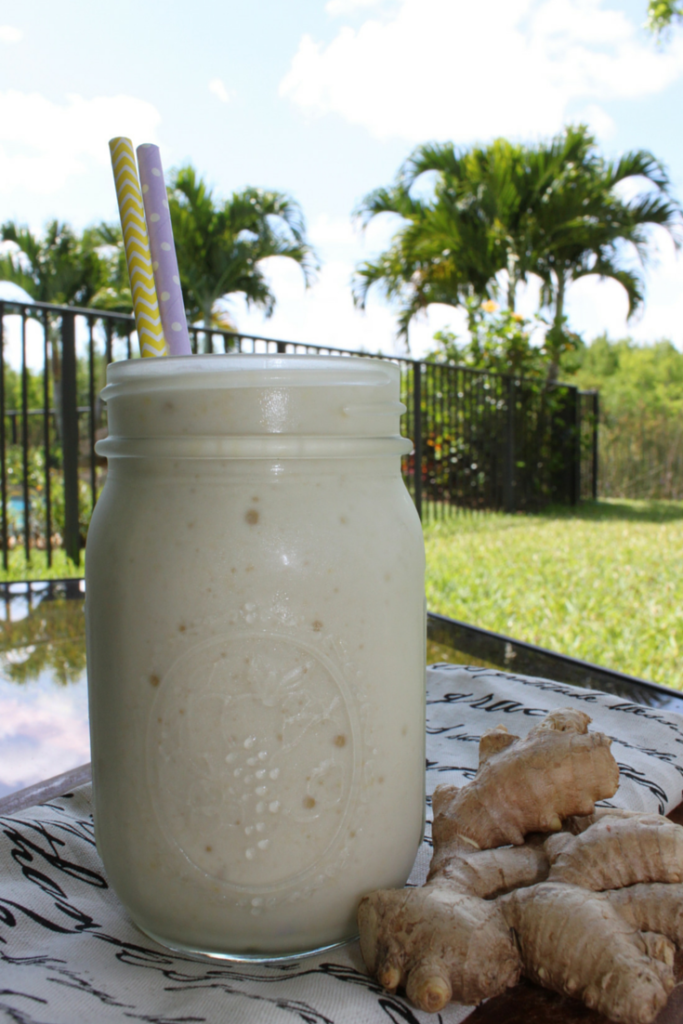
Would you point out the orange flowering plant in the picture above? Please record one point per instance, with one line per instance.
(500, 341)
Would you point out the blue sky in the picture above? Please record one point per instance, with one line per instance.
(324, 99)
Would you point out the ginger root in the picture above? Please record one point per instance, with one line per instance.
(528, 785)
(593, 911)
(576, 942)
(449, 940)
(616, 852)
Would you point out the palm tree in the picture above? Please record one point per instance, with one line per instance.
(553, 209)
(60, 267)
(114, 293)
(488, 186)
(221, 245)
(582, 225)
(448, 248)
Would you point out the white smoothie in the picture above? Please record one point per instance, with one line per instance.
(255, 649)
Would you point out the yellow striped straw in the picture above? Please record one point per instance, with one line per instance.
(136, 244)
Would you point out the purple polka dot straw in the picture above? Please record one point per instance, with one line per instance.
(164, 260)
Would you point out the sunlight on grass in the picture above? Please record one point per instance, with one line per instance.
(603, 582)
(38, 569)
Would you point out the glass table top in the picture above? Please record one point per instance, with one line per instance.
(43, 684)
(43, 687)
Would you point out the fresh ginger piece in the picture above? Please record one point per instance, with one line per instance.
(616, 852)
(488, 873)
(529, 785)
(446, 940)
(493, 741)
(579, 823)
(574, 941)
(657, 907)
(438, 945)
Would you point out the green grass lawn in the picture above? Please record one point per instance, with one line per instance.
(38, 569)
(603, 582)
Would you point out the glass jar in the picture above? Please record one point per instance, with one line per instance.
(256, 634)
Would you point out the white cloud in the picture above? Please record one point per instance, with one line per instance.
(10, 34)
(42, 143)
(594, 306)
(13, 293)
(451, 68)
(325, 315)
(598, 120)
(321, 315)
(43, 731)
(326, 230)
(335, 8)
(217, 87)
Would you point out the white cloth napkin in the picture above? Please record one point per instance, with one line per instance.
(70, 955)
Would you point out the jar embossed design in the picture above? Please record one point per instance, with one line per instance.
(255, 623)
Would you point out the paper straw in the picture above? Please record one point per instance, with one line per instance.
(164, 259)
(136, 244)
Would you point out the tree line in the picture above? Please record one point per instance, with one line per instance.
(641, 415)
(494, 216)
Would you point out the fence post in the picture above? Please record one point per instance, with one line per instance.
(577, 450)
(575, 475)
(281, 347)
(3, 469)
(417, 440)
(70, 438)
(596, 415)
(24, 441)
(509, 452)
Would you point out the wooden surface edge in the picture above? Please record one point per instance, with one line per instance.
(41, 792)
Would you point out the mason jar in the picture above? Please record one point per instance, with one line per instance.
(256, 649)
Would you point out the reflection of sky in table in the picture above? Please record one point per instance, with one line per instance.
(43, 693)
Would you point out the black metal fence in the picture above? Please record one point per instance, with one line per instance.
(481, 440)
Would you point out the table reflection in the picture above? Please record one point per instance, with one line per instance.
(43, 692)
